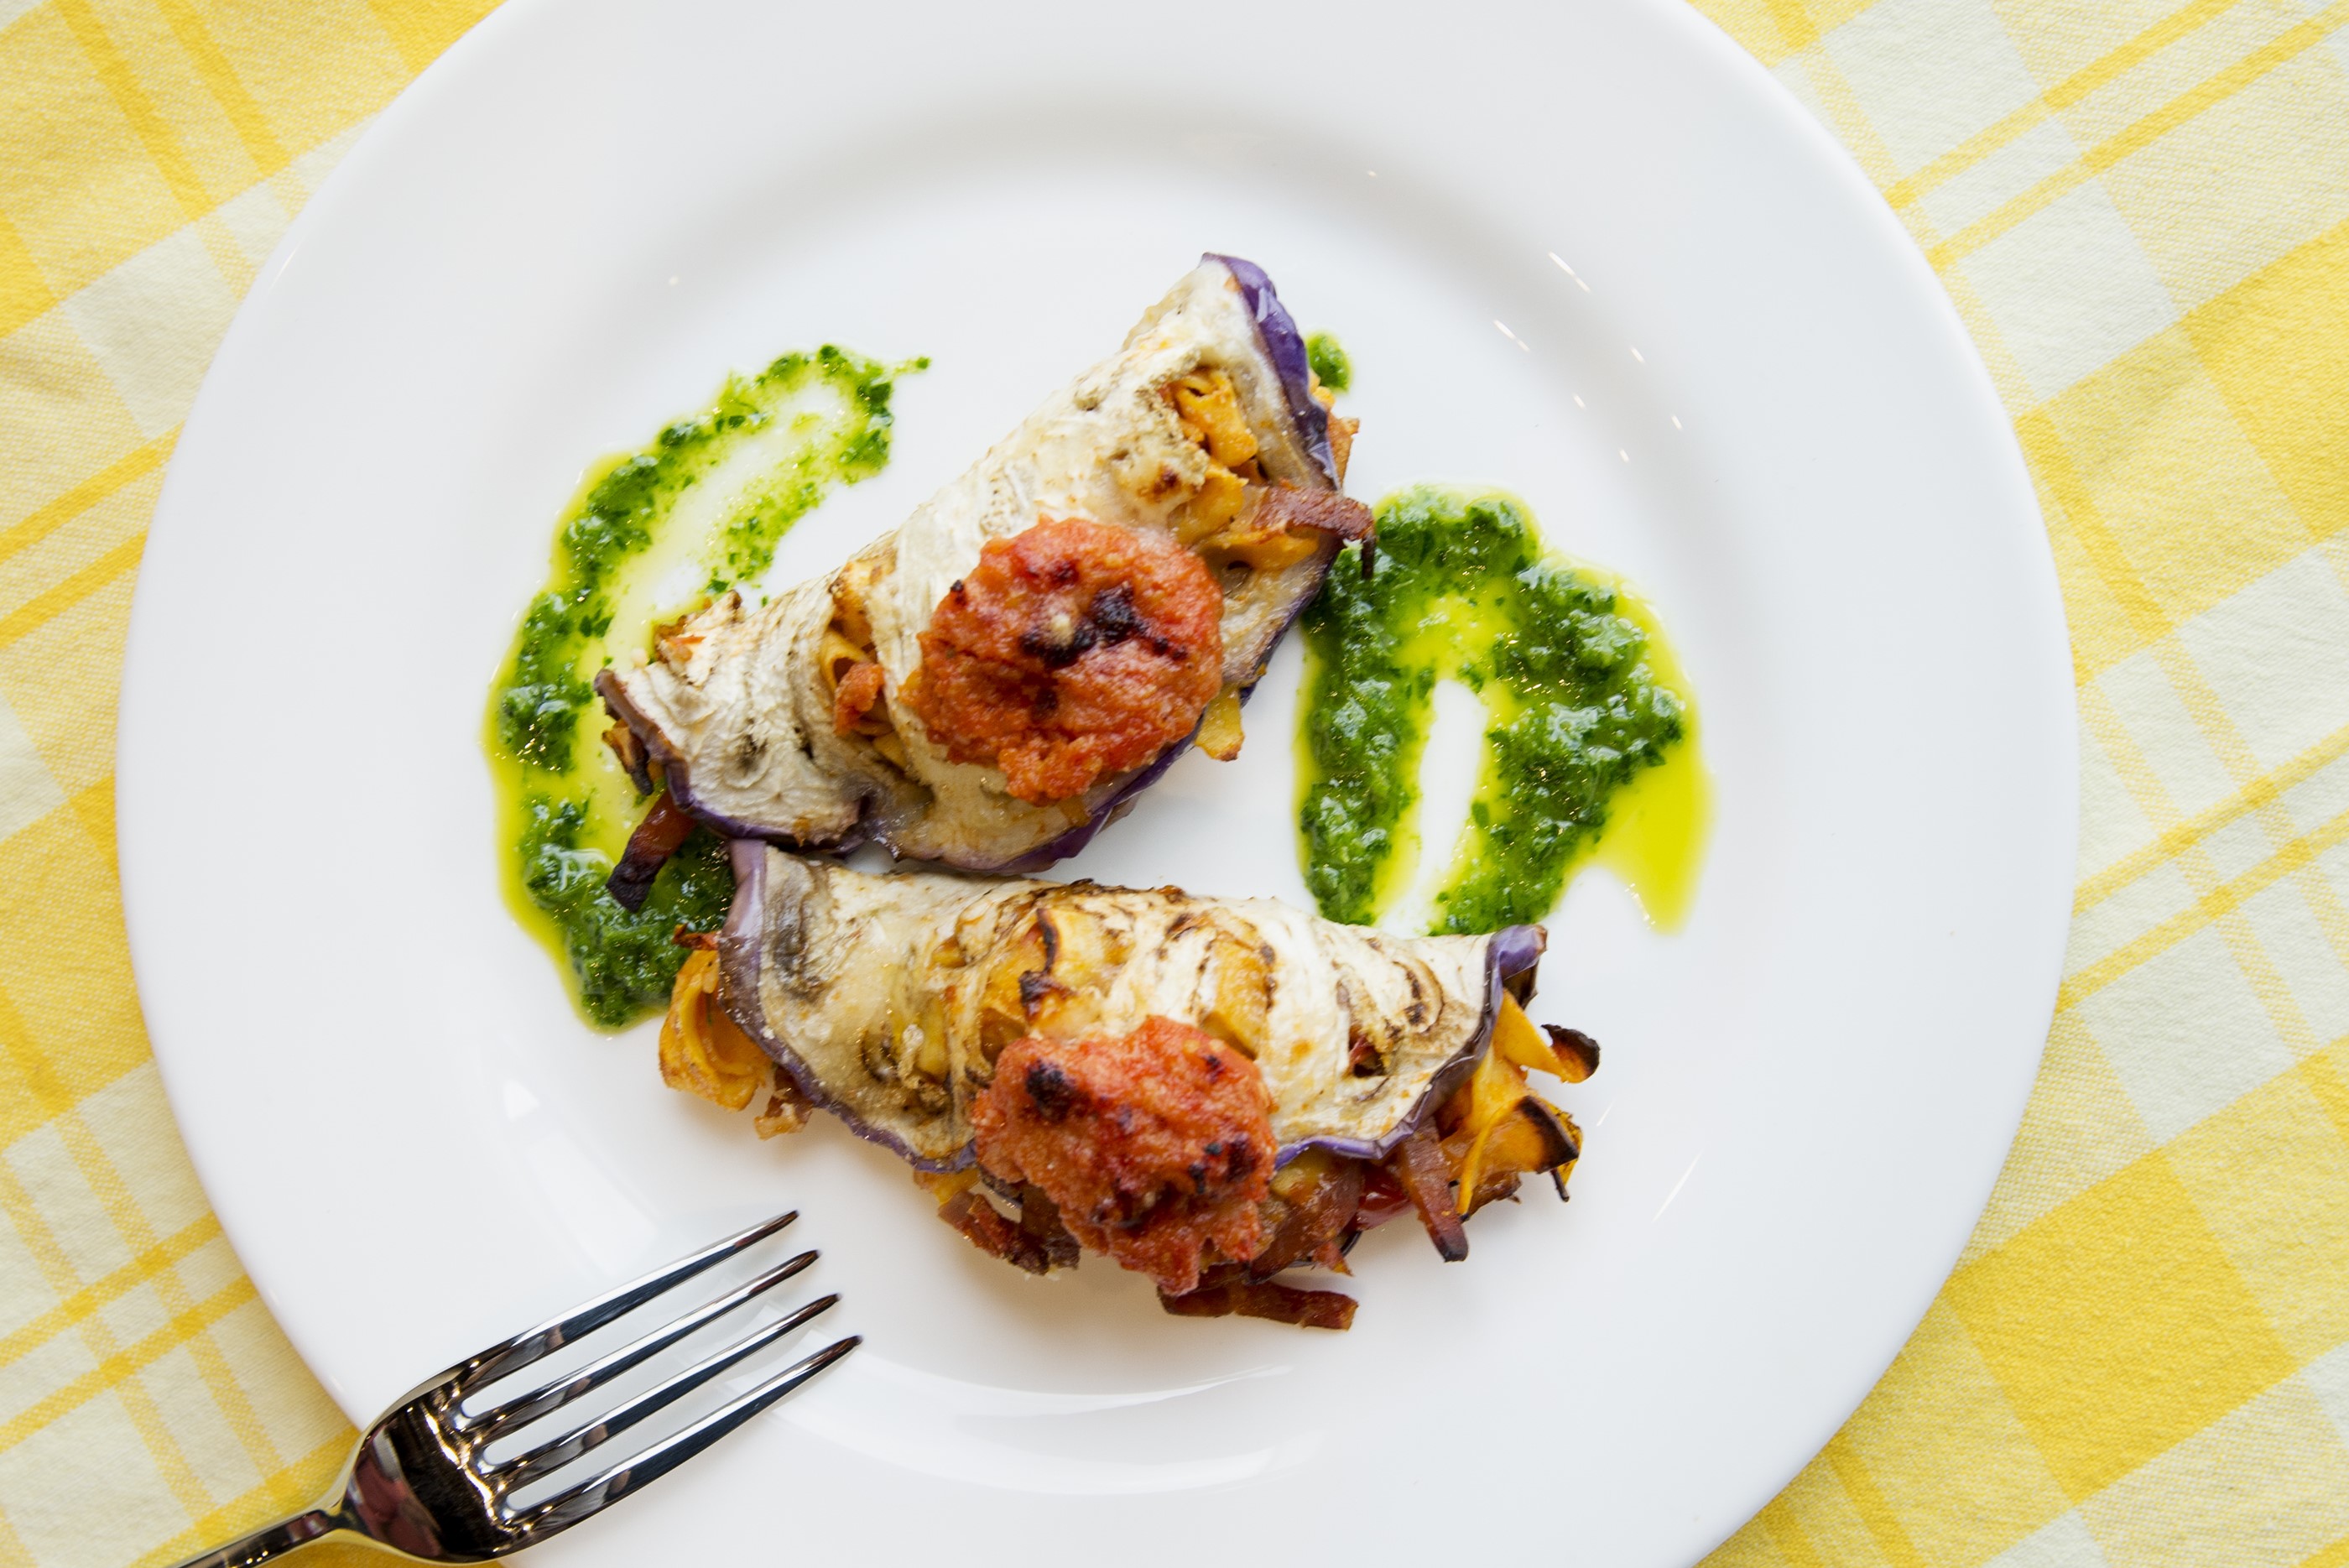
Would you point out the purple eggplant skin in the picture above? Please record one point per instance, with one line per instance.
(1509, 965)
(1285, 347)
(741, 951)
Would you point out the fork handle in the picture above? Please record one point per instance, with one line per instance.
(269, 1542)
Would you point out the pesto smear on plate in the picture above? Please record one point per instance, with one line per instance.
(1589, 747)
(1327, 359)
(650, 535)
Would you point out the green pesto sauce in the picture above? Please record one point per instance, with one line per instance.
(652, 532)
(1580, 699)
(1328, 358)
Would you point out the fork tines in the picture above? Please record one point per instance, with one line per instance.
(576, 1503)
(507, 1417)
(533, 1344)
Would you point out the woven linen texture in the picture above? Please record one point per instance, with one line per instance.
(2142, 212)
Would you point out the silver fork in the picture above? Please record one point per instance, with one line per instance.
(421, 1481)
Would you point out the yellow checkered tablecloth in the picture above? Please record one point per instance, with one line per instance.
(2142, 211)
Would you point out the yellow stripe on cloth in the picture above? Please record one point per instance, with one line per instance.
(2144, 133)
(49, 518)
(220, 77)
(87, 1299)
(2072, 89)
(122, 84)
(45, 606)
(2141, 212)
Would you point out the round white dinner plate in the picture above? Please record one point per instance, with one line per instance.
(1588, 252)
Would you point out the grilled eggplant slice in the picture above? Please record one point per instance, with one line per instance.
(1196, 475)
(889, 998)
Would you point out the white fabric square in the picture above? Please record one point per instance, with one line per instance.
(2237, 847)
(152, 323)
(2069, 288)
(67, 1510)
(2111, 823)
(1929, 73)
(2296, 944)
(2063, 1544)
(2172, 742)
(41, 1371)
(76, 1220)
(2320, 797)
(28, 791)
(134, 1313)
(25, 1295)
(2185, 1034)
(2328, 1377)
(2278, 648)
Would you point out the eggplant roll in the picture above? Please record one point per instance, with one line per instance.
(993, 681)
(890, 999)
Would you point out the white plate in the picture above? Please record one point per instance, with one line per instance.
(1749, 394)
